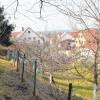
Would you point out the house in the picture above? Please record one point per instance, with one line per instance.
(84, 37)
(26, 38)
(66, 41)
(59, 38)
(30, 36)
(85, 40)
(15, 36)
(54, 37)
(61, 41)
(88, 50)
(79, 38)
(66, 44)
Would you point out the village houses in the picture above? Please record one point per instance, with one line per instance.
(83, 40)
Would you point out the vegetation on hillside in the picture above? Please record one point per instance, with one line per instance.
(5, 29)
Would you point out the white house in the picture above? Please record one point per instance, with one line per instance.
(30, 36)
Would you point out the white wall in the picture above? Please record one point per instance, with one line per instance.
(30, 36)
(86, 52)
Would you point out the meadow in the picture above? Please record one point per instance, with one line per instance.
(81, 86)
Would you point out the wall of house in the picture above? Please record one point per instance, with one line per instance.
(86, 52)
(80, 40)
(30, 37)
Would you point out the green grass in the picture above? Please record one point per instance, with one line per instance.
(81, 87)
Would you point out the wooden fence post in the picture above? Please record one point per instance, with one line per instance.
(14, 58)
(69, 91)
(22, 79)
(17, 69)
(35, 66)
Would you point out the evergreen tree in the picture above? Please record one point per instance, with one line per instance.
(5, 29)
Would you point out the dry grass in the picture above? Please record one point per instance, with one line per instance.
(11, 87)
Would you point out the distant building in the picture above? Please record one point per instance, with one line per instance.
(85, 40)
(29, 36)
(54, 37)
(15, 36)
(66, 41)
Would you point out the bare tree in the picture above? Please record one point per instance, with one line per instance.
(85, 13)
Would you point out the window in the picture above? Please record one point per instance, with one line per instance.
(69, 43)
(38, 41)
(81, 42)
(29, 32)
(29, 38)
(34, 38)
(24, 38)
(94, 41)
(89, 41)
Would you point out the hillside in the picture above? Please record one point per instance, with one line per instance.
(11, 87)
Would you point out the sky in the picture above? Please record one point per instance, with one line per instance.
(27, 16)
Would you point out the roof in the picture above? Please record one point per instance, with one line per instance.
(89, 34)
(90, 46)
(74, 34)
(16, 34)
(66, 41)
(55, 34)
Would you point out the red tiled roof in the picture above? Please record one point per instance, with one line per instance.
(74, 34)
(54, 35)
(15, 34)
(90, 46)
(88, 34)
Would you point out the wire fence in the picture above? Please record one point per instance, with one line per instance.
(42, 87)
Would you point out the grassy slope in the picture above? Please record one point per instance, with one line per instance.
(80, 86)
(10, 84)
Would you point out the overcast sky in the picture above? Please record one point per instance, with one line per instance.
(26, 18)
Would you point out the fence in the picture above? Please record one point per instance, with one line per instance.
(49, 91)
(42, 86)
